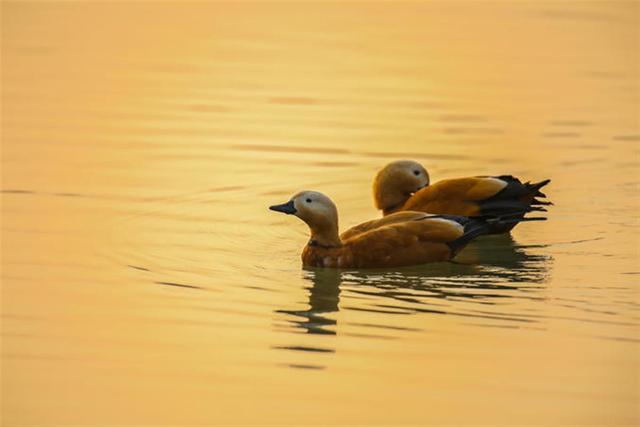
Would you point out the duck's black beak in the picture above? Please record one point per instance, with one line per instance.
(287, 208)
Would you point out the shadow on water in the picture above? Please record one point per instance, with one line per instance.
(492, 270)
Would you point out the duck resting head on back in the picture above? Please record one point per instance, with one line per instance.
(397, 182)
(404, 185)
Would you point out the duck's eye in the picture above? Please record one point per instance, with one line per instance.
(308, 200)
(416, 173)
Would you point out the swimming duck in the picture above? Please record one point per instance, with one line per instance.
(404, 185)
(398, 239)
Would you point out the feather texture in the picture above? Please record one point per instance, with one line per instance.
(404, 186)
(405, 238)
(399, 239)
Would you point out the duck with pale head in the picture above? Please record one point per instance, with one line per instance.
(398, 239)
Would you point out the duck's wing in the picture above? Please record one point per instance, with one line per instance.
(418, 240)
(477, 196)
(381, 222)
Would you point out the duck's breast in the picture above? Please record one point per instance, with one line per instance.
(316, 256)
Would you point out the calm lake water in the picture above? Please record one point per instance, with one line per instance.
(144, 281)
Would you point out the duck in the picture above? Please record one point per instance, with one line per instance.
(404, 185)
(396, 240)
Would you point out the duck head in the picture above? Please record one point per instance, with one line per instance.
(396, 182)
(320, 214)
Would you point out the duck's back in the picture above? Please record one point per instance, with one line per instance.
(455, 196)
(395, 218)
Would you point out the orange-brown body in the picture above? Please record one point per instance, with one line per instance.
(396, 240)
(405, 238)
(459, 196)
(404, 185)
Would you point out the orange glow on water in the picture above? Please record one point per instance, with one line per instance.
(144, 281)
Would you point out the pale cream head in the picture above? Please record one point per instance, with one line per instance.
(318, 211)
(396, 182)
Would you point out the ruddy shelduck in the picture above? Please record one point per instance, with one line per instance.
(404, 185)
(399, 239)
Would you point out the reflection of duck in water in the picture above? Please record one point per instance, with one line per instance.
(404, 186)
(509, 271)
(505, 270)
(502, 257)
(323, 299)
(400, 239)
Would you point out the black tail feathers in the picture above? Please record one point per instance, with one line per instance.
(480, 226)
(536, 186)
(534, 191)
(516, 197)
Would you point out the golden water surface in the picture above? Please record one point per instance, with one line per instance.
(144, 281)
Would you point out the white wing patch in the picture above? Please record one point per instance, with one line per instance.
(498, 181)
(448, 222)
